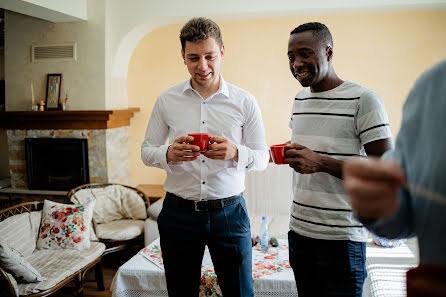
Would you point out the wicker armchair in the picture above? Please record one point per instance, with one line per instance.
(114, 245)
(7, 287)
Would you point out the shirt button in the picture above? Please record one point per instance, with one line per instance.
(203, 183)
(202, 161)
(202, 122)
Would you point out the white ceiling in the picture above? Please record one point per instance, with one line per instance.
(50, 10)
(76, 10)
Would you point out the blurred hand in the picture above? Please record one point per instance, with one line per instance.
(221, 149)
(373, 186)
(302, 159)
(181, 150)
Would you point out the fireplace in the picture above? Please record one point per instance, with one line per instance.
(56, 163)
(105, 132)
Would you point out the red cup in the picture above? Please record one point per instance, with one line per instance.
(278, 152)
(201, 140)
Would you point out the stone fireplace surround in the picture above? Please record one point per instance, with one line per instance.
(107, 132)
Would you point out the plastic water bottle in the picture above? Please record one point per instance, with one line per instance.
(264, 235)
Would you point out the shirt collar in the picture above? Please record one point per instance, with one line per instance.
(223, 89)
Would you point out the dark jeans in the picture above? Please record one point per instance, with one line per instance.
(184, 233)
(327, 267)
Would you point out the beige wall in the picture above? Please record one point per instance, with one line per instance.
(83, 79)
(384, 52)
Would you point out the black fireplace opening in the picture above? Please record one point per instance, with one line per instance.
(56, 163)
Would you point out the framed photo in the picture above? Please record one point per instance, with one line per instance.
(53, 84)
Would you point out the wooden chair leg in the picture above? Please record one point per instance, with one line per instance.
(79, 287)
(99, 276)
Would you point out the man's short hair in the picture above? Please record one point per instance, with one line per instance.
(199, 29)
(320, 31)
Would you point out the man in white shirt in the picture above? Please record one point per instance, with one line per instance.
(204, 204)
(332, 120)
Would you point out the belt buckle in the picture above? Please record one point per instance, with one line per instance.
(196, 202)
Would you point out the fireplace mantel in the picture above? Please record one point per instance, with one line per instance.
(68, 119)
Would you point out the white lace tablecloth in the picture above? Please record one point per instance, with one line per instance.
(143, 274)
(386, 269)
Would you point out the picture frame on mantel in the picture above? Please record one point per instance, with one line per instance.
(53, 86)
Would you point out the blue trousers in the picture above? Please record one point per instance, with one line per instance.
(327, 267)
(184, 233)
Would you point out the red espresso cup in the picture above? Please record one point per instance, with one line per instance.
(201, 140)
(278, 153)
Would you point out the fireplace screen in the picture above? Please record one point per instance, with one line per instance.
(56, 163)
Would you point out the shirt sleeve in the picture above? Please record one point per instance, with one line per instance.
(400, 224)
(419, 150)
(254, 154)
(153, 148)
(371, 118)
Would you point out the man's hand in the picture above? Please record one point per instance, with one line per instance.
(221, 149)
(302, 159)
(181, 150)
(373, 186)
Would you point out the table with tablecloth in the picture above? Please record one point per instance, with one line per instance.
(387, 267)
(143, 274)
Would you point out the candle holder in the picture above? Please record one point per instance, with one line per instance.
(63, 103)
(33, 106)
(41, 105)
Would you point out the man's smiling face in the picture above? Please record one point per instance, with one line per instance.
(309, 59)
(203, 61)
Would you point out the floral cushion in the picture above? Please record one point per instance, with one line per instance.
(65, 226)
(15, 263)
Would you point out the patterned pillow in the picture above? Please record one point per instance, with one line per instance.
(65, 226)
(15, 263)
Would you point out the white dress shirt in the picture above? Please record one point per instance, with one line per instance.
(231, 112)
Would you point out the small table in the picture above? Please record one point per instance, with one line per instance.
(153, 192)
(272, 275)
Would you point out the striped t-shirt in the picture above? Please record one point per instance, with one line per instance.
(335, 123)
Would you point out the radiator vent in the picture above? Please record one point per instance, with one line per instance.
(66, 51)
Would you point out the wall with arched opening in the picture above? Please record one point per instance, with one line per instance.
(382, 51)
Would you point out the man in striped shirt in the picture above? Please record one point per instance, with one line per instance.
(332, 120)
